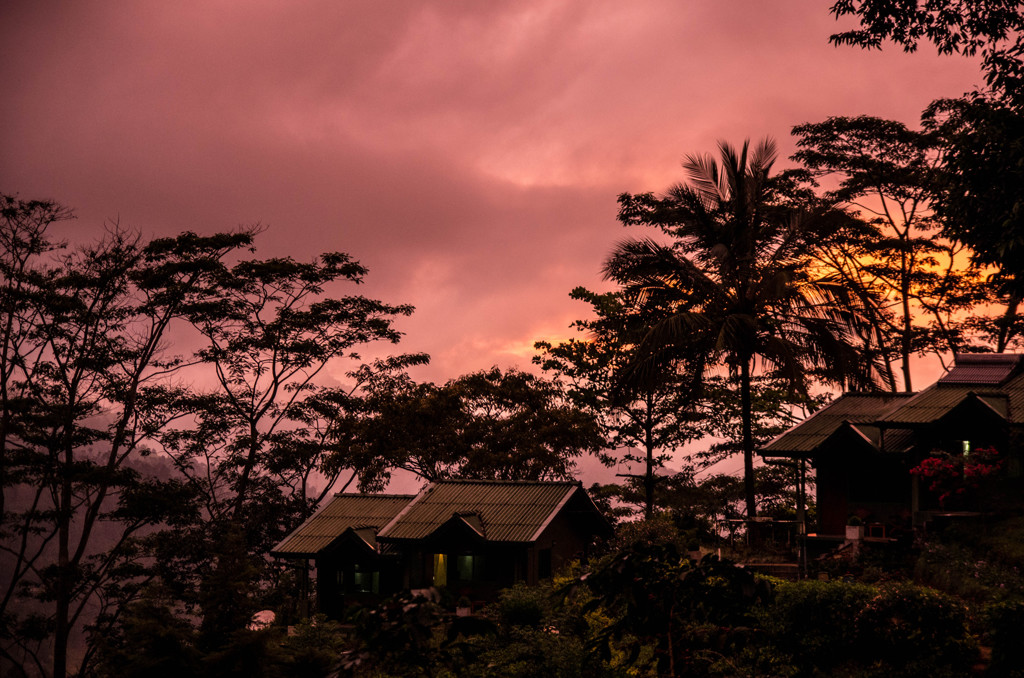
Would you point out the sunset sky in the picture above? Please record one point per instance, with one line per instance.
(468, 152)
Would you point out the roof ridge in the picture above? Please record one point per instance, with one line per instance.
(502, 481)
(427, 489)
(987, 357)
(374, 495)
(877, 394)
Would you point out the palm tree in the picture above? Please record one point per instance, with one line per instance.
(736, 278)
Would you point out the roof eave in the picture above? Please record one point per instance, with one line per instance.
(293, 555)
(788, 454)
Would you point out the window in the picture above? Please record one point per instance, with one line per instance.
(365, 579)
(440, 570)
(468, 567)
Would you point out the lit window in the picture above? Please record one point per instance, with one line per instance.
(966, 447)
(440, 570)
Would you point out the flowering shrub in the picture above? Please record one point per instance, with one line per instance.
(953, 476)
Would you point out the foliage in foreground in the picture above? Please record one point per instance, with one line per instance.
(835, 628)
(643, 609)
(646, 610)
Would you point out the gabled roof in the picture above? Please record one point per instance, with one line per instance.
(494, 510)
(364, 514)
(856, 413)
(500, 511)
(940, 399)
(993, 383)
(994, 380)
(991, 369)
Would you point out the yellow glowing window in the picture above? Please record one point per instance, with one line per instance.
(440, 570)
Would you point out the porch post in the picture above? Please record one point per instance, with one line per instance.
(801, 517)
(304, 589)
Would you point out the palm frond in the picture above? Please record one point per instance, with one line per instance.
(706, 178)
(765, 155)
(737, 276)
(647, 269)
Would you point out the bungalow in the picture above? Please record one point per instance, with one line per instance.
(472, 537)
(864, 445)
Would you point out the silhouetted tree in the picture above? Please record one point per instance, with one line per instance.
(993, 28)
(658, 416)
(912, 286)
(978, 197)
(83, 367)
(88, 387)
(252, 443)
(736, 278)
(492, 424)
(981, 136)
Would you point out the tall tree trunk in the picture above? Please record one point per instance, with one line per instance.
(62, 615)
(746, 416)
(242, 486)
(908, 322)
(649, 477)
(649, 483)
(1005, 323)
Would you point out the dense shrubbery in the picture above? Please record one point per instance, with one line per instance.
(835, 628)
(1003, 622)
(806, 629)
(817, 628)
(978, 562)
(152, 641)
(645, 609)
(813, 623)
(908, 630)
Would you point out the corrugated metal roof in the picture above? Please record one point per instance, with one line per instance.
(854, 408)
(993, 378)
(927, 406)
(993, 381)
(981, 368)
(898, 440)
(1000, 404)
(938, 400)
(508, 511)
(363, 513)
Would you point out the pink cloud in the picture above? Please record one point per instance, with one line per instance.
(468, 152)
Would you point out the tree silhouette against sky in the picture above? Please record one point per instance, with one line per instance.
(737, 279)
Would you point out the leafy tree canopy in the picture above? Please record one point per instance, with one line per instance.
(911, 287)
(655, 417)
(993, 28)
(979, 196)
(491, 424)
(737, 280)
